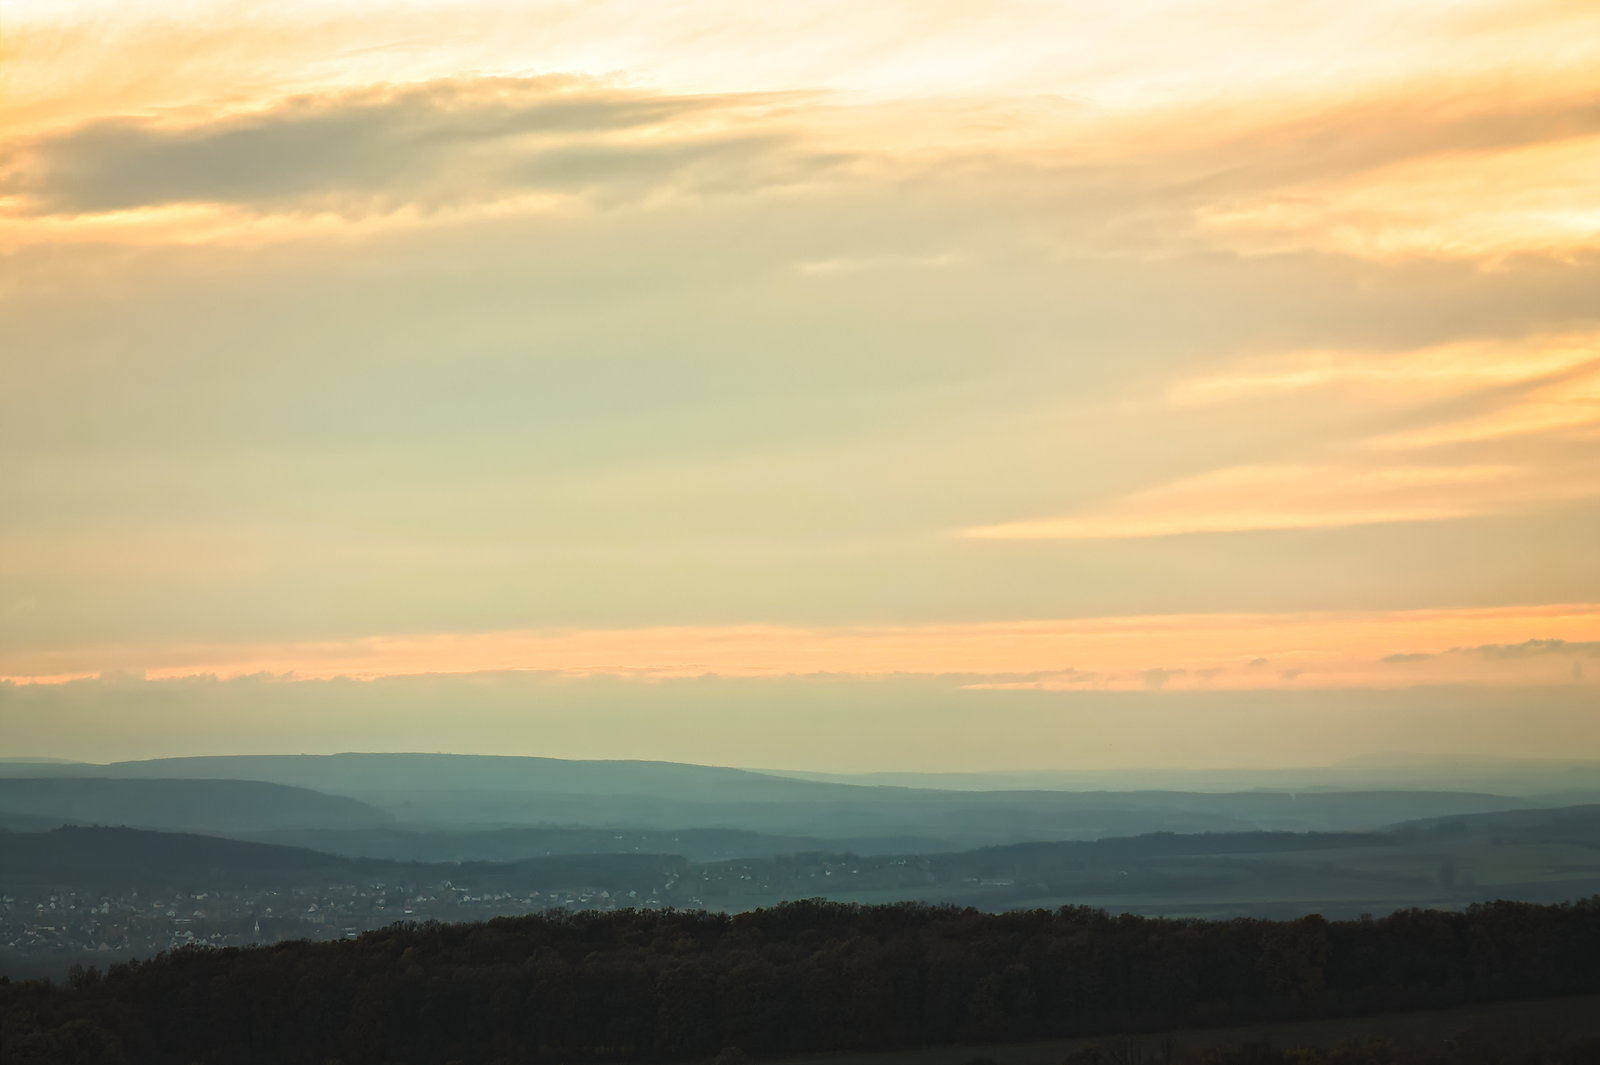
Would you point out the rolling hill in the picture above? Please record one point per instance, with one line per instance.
(122, 859)
(216, 806)
(509, 844)
(435, 791)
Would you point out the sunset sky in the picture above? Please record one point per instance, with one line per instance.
(913, 384)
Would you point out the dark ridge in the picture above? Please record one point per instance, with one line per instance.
(804, 977)
(524, 841)
(121, 858)
(1581, 822)
(183, 805)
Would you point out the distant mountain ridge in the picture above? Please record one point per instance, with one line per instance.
(357, 771)
(215, 806)
(1577, 822)
(507, 844)
(1161, 872)
(1379, 772)
(129, 858)
(122, 857)
(365, 772)
(455, 792)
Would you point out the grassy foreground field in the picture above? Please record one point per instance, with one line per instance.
(1529, 1022)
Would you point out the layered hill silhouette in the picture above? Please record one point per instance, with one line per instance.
(136, 859)
(122, 859)
(1580, 823)
(451, 792)
(1552, 781)
(509, 844)
(216, 806)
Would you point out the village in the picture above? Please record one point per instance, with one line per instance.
(85, 924)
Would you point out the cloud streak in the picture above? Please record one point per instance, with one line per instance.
(815, 722)
(1263, 173)
(1544, 388)
(1110, 653)
(1258, 498)
(1506, 651)
(433, 144)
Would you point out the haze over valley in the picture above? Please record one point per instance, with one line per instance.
(125, 859)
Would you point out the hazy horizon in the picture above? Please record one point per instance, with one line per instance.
(1376, 759)
(1375, 763)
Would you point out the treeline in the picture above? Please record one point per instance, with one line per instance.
(118, 860)
(1054, 857)
(1120, 866)
(803, 977)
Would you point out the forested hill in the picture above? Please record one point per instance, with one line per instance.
(1581, 822)
(668, 986)
(124, 858)
(180, 805)
(100, 858)
(77, 855)
(523, 841)
(1170, 844)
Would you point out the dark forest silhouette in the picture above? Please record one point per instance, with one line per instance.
(803, 977)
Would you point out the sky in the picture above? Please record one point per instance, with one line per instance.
(922, 384)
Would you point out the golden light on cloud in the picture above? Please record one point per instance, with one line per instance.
(1111, 653)
(1534, 386)
(1531, 386)
(1411, 376)
(1018, 84)
(1246, 498)
(1570, 404)
(1483, 205)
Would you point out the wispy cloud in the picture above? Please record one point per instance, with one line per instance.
(813, 722)
(1182, 652)
(1251, 498)
(1462, 392)
(1543, 386)
(1353, 160)
(1533, 661)
(1564, 405)
(378, 149)
(1422, 375)
(1506, 651)
(1484, 204)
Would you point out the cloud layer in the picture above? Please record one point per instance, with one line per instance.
(1206, 652)
(379, 149)
(670, 339)
(1435, 459)
(848, 723)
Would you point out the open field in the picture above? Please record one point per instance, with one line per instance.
(1447, 874)
(1562, 1017)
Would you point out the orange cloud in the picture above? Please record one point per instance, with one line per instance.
(1475, 205)
(1413, 376)
(1180, 651)
(1568, 405)
(1544, 386)
(1425, 135)
(1246, 498)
